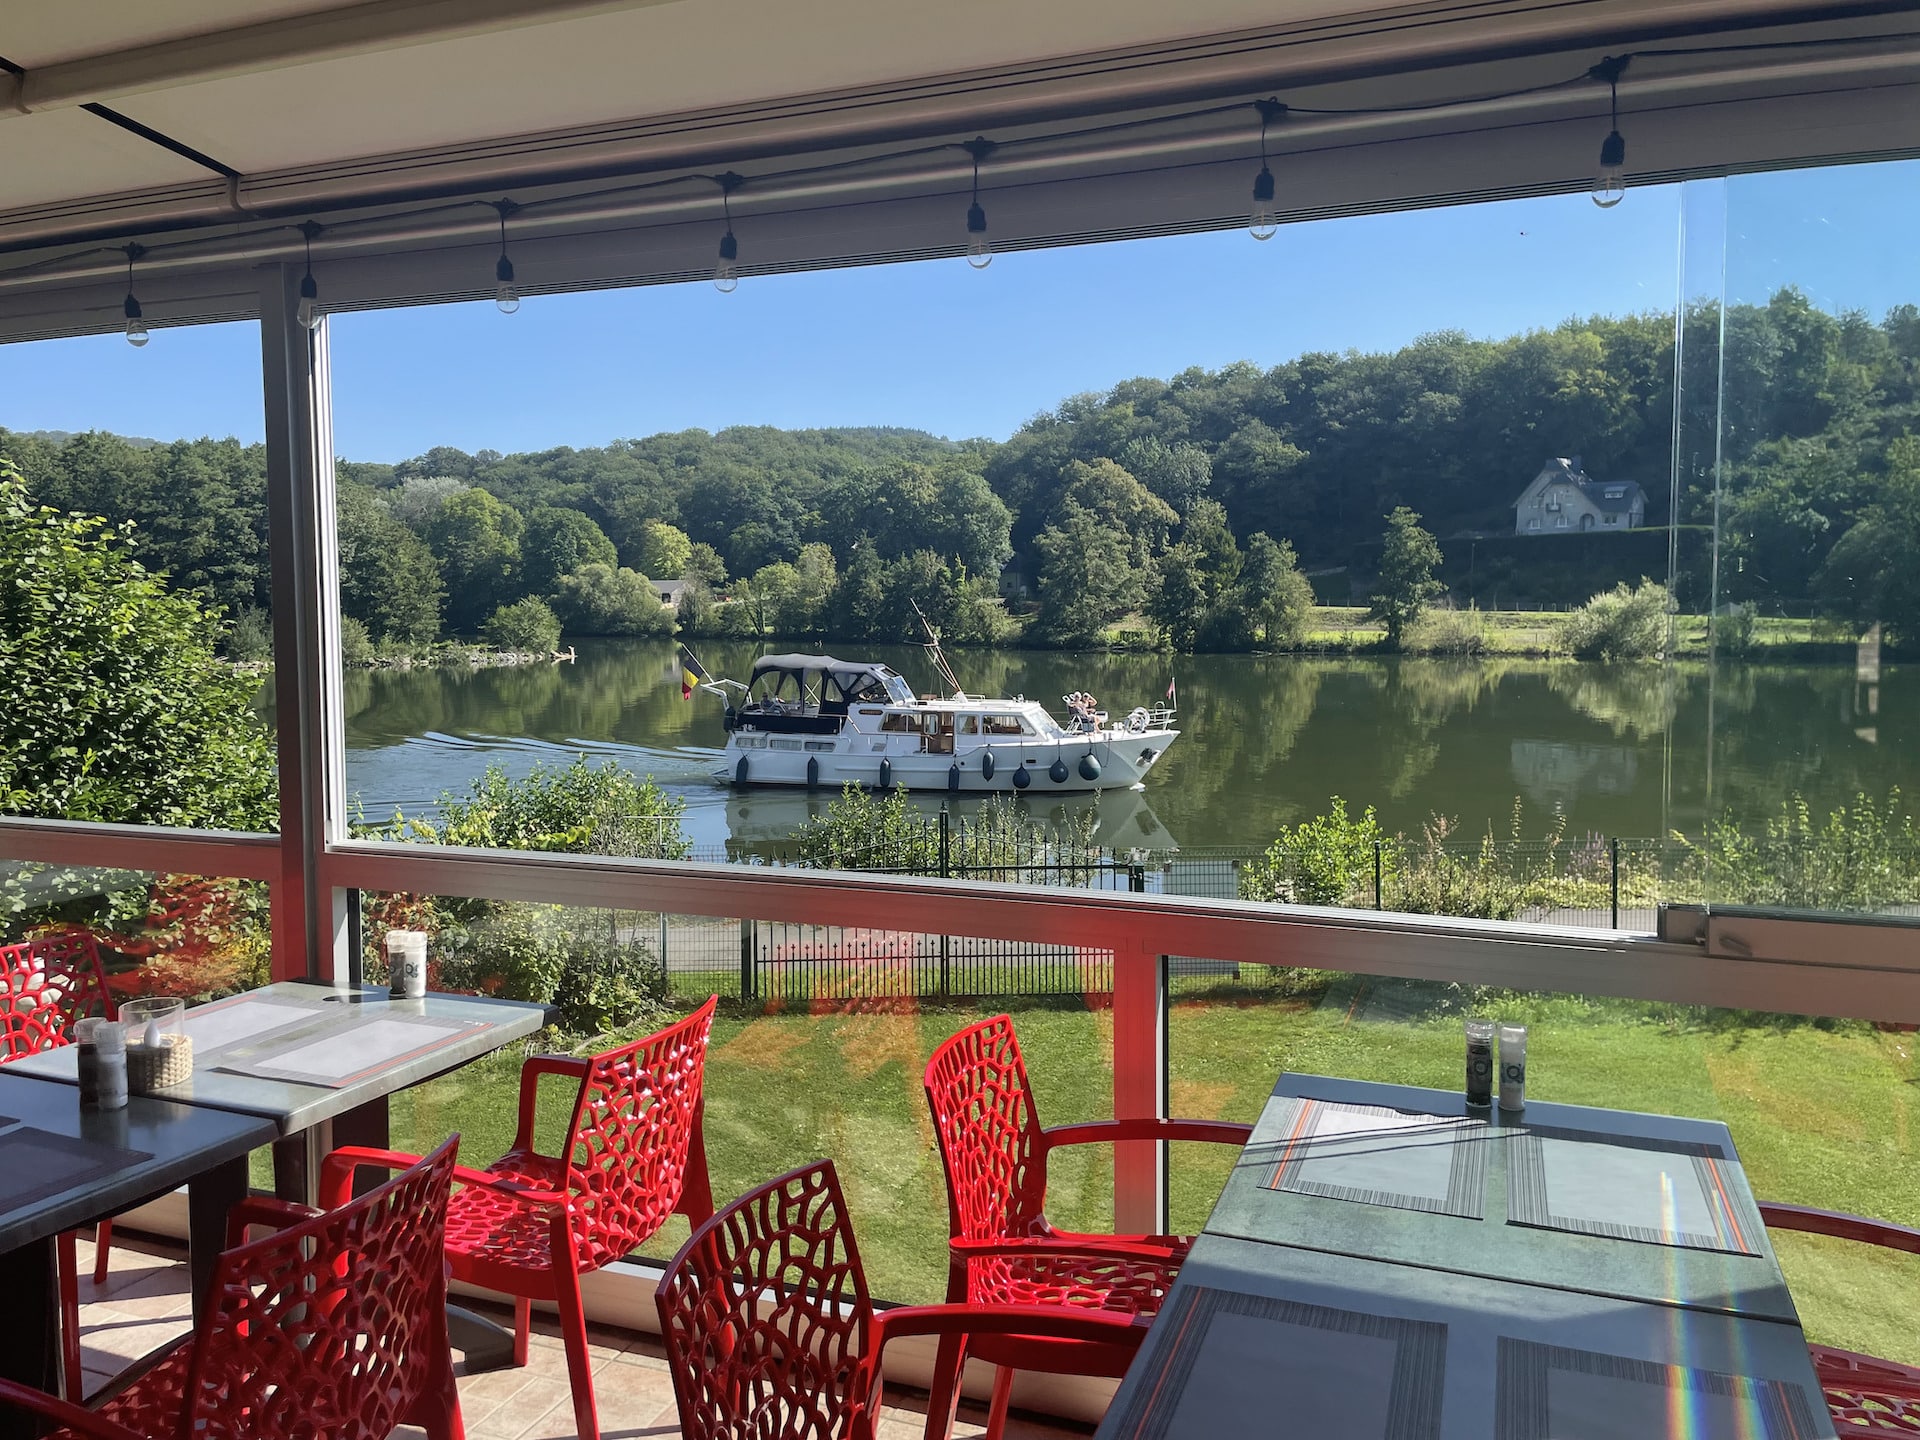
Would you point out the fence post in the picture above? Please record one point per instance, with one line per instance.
(946, 873)
(748, 945)
(1377, 897)
(1615, 845)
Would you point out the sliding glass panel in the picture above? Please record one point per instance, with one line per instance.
(1808, 474)
(818, 1049)
(135, 639)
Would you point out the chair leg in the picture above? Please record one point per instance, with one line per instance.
(997, 1411)
(943, 1399)
(522, 1328)
(73, 1380)
(102, 1250)
(573, 1334)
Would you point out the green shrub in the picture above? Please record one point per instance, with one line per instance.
(356, 645)
(1444, 630)
(578, 810)
(1733, 630)
(611, 600)
(574, 961)
(1328, 860)
(528, 624)
(1624, 623)
(250, 637)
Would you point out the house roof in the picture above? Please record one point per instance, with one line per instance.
(1617, 497)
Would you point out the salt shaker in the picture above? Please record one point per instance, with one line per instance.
(407, 963)
(86, 1054)
(110, 1045)
(1513, 1067)
(1479, 1062)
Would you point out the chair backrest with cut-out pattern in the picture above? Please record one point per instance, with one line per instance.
(330, 1327)
(989, 1132)
(46, 985)
(765, 1314)
(627, 1144)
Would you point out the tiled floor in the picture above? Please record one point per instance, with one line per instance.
(144, 1304)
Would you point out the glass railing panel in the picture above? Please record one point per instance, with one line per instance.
(818, 1050)
(1821, 1110)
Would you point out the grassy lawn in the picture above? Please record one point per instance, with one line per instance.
(1823, 1113)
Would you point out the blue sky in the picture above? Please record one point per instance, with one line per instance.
(939, 347)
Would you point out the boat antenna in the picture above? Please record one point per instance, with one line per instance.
(938, 655)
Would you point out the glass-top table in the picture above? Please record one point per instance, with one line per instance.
(1386, 1264)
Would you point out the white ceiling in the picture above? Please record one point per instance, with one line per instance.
(634, 60)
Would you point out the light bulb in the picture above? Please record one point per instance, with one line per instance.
(1262, 220)
(979, 247)
(307, 312)
(505, 295)
(1610, 184)
(726, 274)
(136, 325)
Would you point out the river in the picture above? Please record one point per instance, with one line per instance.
(1630, 750)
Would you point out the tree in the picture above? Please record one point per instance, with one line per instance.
(704, 563)
(1178, 604)
(1405, 585)
(602, 599)
(118, 709)
(1088, 578)
(528, 624)
(860, 596)
(1277, 598)
(664, 549)
(420, 497)
(1625, 623)
(477, 539)
(559, 542)
(389, 579)
(1870, 574)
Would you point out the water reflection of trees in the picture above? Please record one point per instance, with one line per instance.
(1643, 699)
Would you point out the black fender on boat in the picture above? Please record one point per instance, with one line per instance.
(1057, 771)
(953, 777)
(886, 774)
(813, 772)
(740, 771)
(1089, 766)
(1022, 777)
(986, 765)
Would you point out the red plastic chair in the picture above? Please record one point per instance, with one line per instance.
(769, 1329)
(47, 986)
(1002, 1250)
(531, 1224)
(1868, 1396)
(335, 1325)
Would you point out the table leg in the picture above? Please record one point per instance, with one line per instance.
(292, 1176)
(365, 1125)
(29, 1329)
(210, 1195)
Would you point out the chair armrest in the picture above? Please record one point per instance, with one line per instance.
(506, 1185)
(1054, 1322)
(264, 1210)
(339, 1168)
(1042, 1247)
(69, 1417)
(555, 1064)
(1840, 1226)
(1100, 1132)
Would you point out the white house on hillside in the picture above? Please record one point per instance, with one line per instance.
(1562, 499)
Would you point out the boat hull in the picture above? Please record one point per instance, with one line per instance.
(1051, 765)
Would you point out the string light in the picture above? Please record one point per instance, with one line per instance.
(505, 295)
(1610, 184)
(979, 248)
(726, 274)
(1262, 221)
(136, 325)
(308, 310)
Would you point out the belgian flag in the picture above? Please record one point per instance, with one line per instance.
(692, 673)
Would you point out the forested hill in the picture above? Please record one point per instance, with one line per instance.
(1091, 497)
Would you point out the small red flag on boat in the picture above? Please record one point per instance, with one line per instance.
(1170, 698)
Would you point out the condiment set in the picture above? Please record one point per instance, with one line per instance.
(1507, 1059)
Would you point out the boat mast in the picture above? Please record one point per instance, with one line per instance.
(938, 656)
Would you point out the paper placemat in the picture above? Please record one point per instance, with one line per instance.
(1315, 1370)
(1548, 1392)
(1655, 1192)
(226, 1024)
(1374, 1155)
(346, 1056)
(37, 1163)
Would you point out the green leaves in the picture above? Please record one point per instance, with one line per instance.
(118, 709)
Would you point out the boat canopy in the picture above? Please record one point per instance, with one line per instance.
(822, 680)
